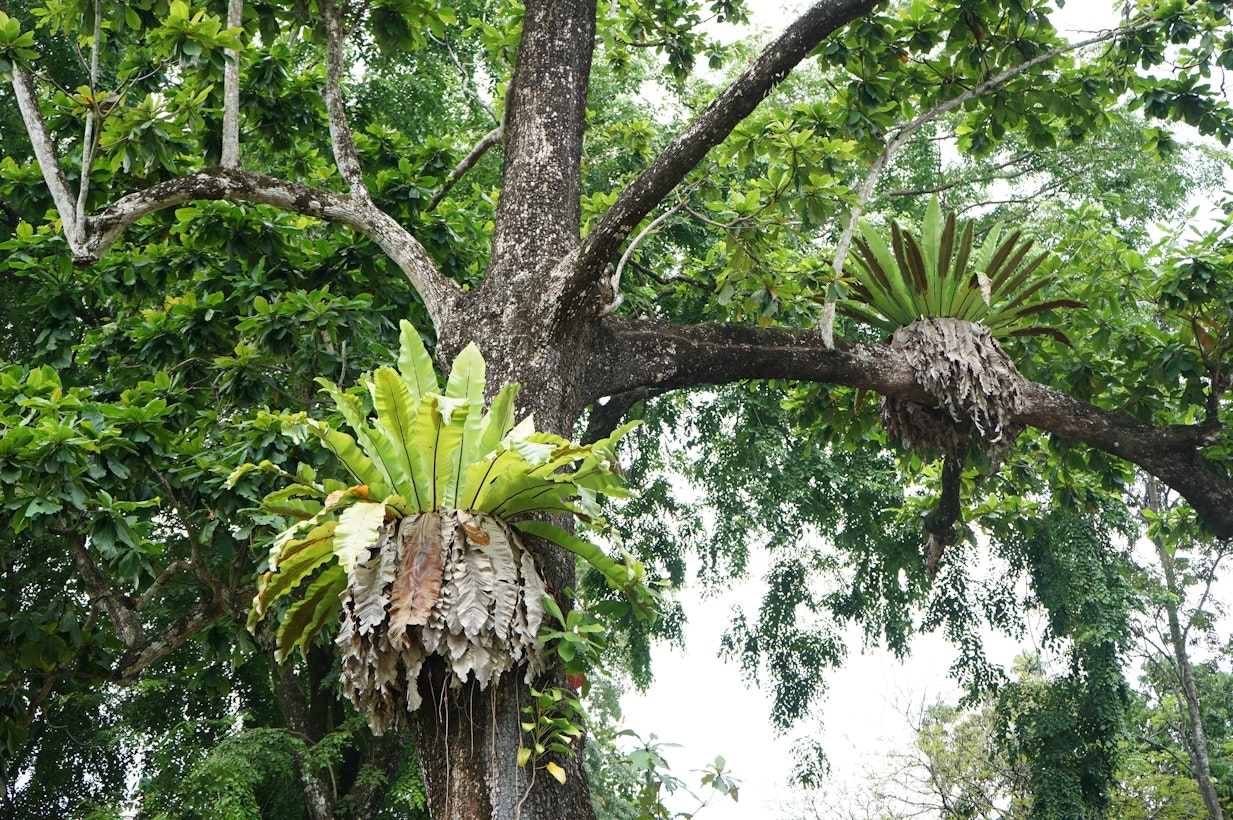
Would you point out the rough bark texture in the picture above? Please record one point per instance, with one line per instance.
(468, 742)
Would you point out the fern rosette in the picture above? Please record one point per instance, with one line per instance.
(944, 303)
(423, 554)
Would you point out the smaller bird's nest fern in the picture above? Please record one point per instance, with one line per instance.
(944, 303)
(421, 552)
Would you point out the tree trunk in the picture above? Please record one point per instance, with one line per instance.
(1196, 740)
(468, 743)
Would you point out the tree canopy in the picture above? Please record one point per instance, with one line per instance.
(207, 207)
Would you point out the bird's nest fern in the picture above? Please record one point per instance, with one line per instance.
(944, 303)
(421, 551)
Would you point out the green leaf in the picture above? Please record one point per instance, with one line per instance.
(466, 381)
(308, 615)
(498, 421)
(585, 550)
(396, 416)
(296, 561)
(414, 363)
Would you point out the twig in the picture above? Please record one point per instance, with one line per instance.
(670, 278)
(493, 137)
(467, 78)
(615, 281)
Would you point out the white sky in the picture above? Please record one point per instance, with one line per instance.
(701, 703)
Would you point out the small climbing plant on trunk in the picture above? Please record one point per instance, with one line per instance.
(421, 550)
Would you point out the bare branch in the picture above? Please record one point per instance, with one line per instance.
(345, 156)
(615, 281)
(231, 92)
(163, 577)
(467, 78)
(671, 278)
(192, 621)
(493, 137)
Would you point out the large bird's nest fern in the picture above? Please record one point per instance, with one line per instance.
(944, 304)
(421, 552)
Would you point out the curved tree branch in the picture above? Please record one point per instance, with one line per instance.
(345, 155)
(46, 152)
(438, 292)
(632, 354)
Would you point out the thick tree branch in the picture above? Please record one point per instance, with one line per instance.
(231, 92)
(438, 292)
(167, 640)
(632, 354)
(46, 152)
(708, 129)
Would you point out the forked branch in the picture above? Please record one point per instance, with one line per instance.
(708, 129)
(438, 292)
